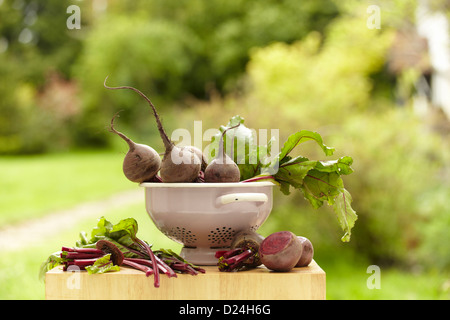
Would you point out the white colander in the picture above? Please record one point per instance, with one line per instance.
(204, 217)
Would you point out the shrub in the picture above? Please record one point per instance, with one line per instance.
(325, 84)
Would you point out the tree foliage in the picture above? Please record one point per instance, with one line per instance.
(169, 49)
(35, 43)
(331, 83)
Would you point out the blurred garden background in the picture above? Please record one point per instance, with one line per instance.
(372, 77)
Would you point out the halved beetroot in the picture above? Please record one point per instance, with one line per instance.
(280, 251)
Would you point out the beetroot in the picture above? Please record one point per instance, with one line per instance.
(307, 252)
(280, 251)
(200, 155)
(141, 162)
(222, 168)
(179, 164)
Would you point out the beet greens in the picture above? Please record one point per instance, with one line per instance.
(320, 181)
(111, 246)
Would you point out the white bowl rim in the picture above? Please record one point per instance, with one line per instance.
(207, 184)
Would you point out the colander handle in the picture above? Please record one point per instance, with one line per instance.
(242, 197)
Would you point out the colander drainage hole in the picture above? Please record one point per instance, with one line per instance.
(183, 235)
(221, 235)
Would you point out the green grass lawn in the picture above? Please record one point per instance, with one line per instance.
(32, 186)
(348, 280)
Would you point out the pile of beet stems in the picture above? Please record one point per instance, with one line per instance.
(80, 257)
(232, 260)
(167, 264)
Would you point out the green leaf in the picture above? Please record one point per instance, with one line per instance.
(121, 234)
(316, 203)
(52, 261)
(124, 227)
(102, 265)
(328, 186)
(319, 180)
(294, 171)
(239, 144)
(102, 229)
(240, 137)
(341, 166)
(345, 213)
(125, 232)
(324, 186)
(302, 136)
(83, 238)
(123, 246)
(285, 187)
(291, 143)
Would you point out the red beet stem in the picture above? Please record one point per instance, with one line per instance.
(168, 271)
(220, 253)
(163, 267)
(78, 255)
(153, 259)
(234, 262)
(81, 262)
(148, 271)
(82, 250)
(258, 179)
(145, 262)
